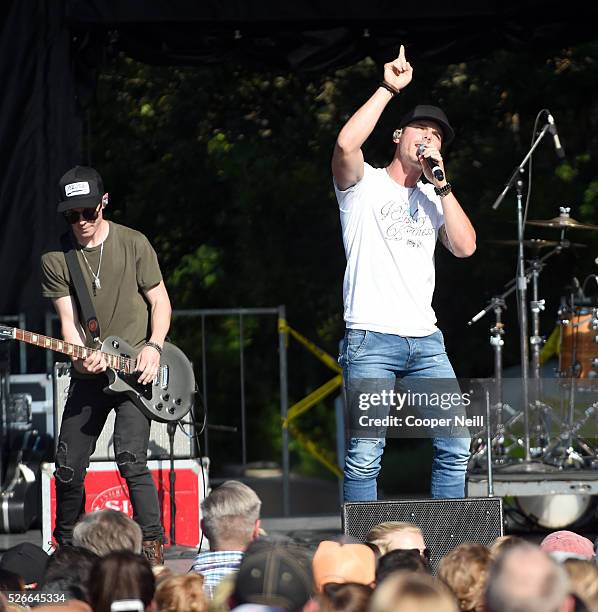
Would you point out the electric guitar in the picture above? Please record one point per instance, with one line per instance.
(168, 398)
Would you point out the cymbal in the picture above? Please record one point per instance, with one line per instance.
(563, 222)
(537, 243)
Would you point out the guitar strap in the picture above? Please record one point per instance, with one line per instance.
(81, 293)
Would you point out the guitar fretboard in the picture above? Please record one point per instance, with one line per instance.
(117, 362)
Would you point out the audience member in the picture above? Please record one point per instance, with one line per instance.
(525, 579)
(74, 605)
(104, 531)
(347, 597)
(583, 579)
(336, 562)
(230, 521)
(563, 545)
(398, 561)
(181, 594)
(465, 571)
(68, 572)
(161, 572)
(409, 592)
(503, 543)
(119, 575)
(9, 581)
(377, 552)
(275, 574)
(26, 560)
(396, 535)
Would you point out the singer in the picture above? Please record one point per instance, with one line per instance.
(390, 223)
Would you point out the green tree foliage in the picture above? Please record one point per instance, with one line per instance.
(227, 170)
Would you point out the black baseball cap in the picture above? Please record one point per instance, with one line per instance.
(26, 560)
(276, 574)
(433, 113)
(80, 187)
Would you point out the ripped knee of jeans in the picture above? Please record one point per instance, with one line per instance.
(63, 473)
(125, 457)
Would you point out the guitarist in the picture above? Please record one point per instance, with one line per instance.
(121, 272)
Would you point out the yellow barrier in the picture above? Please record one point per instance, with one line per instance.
(323, 356)
(313, 398)
(322, 455)
(551, 346)
(302, 406)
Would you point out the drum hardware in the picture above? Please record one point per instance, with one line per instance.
(563, 221)
(497, 331)
(539, 243)
(563, 442)
(543, 411)
(515, 180)
(560, 451)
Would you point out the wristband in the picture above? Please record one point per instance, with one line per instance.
(443, 191)
(393, 92)
(154, 345)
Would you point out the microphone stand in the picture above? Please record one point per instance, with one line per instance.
(521, 284)
(171, 429)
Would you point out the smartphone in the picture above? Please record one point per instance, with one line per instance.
(127, 605)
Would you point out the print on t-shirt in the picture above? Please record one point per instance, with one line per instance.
(397, 224)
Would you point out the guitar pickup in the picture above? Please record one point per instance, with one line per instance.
(162, 377)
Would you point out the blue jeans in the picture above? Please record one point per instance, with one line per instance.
(374, 355)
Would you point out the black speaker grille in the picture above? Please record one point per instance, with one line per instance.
(445, 523)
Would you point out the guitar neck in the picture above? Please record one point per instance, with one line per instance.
(117, 362)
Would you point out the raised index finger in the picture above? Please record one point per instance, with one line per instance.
(402, 53)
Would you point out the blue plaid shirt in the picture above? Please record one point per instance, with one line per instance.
(214, 566)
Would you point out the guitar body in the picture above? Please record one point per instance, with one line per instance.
(168, 398)
(171, 395)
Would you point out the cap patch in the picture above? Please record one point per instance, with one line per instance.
(76, 189)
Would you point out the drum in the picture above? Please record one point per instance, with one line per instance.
(578, 343)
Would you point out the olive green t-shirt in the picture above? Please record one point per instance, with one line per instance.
(129, 265)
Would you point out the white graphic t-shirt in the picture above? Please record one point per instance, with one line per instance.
(389, 234)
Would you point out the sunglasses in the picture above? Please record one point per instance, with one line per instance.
(425, 552)
(88, 214)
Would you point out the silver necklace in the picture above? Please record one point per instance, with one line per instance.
(96, 275)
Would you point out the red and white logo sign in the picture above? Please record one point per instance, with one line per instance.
(114, 498)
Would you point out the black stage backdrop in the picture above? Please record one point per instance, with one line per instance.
(40, 136)
(50, 51)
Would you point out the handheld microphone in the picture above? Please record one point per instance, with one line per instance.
(432, 163)
(560, 152)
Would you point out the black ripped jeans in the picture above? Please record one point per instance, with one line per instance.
(84, 418)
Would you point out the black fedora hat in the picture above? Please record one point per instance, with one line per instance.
(433, 113)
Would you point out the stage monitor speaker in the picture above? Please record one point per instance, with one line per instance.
(159, 444)
(445, 523)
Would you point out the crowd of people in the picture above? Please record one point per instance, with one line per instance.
(244, 569)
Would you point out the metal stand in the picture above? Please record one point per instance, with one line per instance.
(521, 283)
(496, 342)
(536, 341)
(522, 305)
(489, 447)
(4, 399)
(497, 331)
(171, 428)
